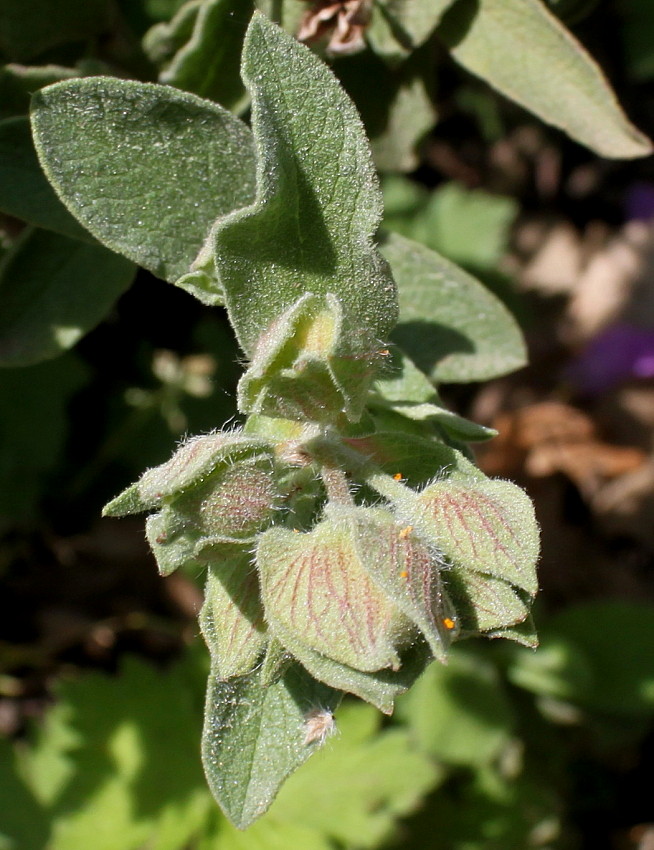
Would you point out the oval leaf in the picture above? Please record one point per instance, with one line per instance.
(24, 190)
(523, 51)
(255, 736)
(147, 169)
(451, 326)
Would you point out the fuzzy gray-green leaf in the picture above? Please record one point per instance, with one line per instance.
(404, 389)
(24, 190)
(318, 201)
(53, 290)
(208, 63)
(255, 736)
(147, 169)
(400, 26)
(452, 327)
(521, 49)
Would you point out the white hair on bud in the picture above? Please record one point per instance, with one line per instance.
(443, 474)
(319, 724)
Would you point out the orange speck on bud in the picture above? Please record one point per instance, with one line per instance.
(397, 476)
(384, 352)
(296, 531)
(404, 574)
(449, 623)
(405, 532)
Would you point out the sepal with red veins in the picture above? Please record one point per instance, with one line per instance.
(354, 598)
(400, 564)
(309, 367)
(487, 526)
(486, 536)
(231, 618)
(318, 594)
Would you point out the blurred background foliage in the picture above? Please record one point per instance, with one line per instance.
(101, 668)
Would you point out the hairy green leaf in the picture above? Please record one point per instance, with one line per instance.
(487, 605)
(318, 202)
(395, 104)
(162, 41)
(24, 190)
(53, 290)
(147, 169)
(411, 115)
(522, 49)
(451, 326)
(404, 389)
(379, 688)
(416, 459)
(255, 736)
(18, 82)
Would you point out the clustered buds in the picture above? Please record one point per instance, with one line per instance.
(309, 366)
(362, 596)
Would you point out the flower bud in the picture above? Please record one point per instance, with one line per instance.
(486, 536)
(316, 590)
(306, 367)
(357, 591)
(484, 525)
(216, 491)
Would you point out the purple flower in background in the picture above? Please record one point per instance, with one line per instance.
(639, 202)
(616, 354)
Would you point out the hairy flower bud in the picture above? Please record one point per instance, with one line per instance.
(309, 366)
(357, 591)
(216, 491)
(486, 536)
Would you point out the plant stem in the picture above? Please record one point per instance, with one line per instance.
(337, 487)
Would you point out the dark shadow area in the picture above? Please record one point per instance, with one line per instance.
(456, 22)
(291, 218)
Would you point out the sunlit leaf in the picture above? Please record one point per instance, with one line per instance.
(146, 169)
(254, 737)
(522, 49)
(450, 325)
